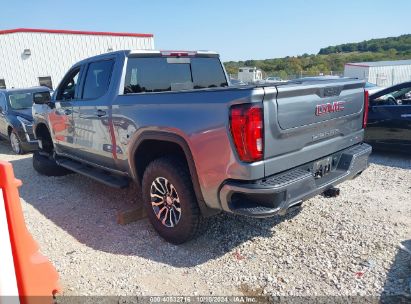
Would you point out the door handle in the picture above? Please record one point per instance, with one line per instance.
(100, 113)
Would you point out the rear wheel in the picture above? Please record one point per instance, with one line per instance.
(15, 143)
(170, 201)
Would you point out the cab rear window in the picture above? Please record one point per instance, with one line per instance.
(162, 74)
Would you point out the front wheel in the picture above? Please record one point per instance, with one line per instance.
(15, 143)
(170, 200)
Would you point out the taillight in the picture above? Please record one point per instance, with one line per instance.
(366, 104)
(246, 122)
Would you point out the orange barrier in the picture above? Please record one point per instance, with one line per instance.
(37, 279)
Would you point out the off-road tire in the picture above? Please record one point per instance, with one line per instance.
(46, 165)
(176, 172)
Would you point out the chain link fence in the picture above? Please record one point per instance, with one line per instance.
(302, 74)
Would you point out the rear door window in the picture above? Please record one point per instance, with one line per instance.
(161, 74)
(69, 86)
(97, 79)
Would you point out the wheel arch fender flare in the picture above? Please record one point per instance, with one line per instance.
(39, 124)
(165, 136)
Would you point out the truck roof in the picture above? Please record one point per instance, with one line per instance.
(149, 53)
(174, 52)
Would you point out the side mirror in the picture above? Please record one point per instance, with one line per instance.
(41, 98)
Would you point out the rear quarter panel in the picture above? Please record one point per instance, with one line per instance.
(201, 118)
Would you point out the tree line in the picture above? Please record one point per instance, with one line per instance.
(330, 60)
(400, 44)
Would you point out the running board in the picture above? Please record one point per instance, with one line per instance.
(99, 175)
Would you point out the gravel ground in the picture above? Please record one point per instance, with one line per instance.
(343, 246)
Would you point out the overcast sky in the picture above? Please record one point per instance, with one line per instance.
(238, 29)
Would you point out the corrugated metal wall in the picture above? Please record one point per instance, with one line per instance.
(53, 54)
(360, 72)
(384, 76)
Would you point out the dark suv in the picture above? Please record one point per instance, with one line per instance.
(16, 119)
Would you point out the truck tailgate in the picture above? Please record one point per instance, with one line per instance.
(309, 120)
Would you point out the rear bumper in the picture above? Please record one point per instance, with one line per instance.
(277, 193)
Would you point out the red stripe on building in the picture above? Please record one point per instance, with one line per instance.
(71, 32)
(358, 65)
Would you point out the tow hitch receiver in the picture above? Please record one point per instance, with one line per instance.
(332, 192)
(322, 167)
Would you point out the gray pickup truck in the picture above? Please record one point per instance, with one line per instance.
(172, 123)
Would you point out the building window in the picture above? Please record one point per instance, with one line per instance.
(2, 84)
(46, 81)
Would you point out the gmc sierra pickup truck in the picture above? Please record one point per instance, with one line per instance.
(172, 123)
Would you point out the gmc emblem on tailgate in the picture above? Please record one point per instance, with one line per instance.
(325, 108)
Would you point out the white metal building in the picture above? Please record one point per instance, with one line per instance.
(381, 73)
(32, 57)
(249, 75)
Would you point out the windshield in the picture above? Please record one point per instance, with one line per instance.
(396, 94)
(20, 101)
(397, 97)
